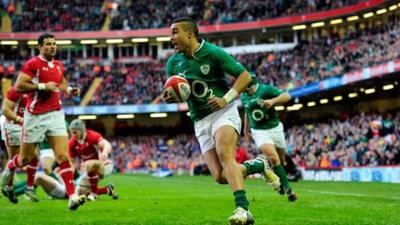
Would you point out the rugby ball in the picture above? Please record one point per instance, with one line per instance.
(177, 88)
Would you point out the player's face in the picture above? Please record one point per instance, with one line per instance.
(49, 47)
(77, 134)
(179, 37)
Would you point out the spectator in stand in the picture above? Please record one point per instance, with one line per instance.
(350, 143)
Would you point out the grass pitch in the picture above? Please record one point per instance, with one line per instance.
(183, 200)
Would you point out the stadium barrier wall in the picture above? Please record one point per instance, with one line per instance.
(388, 174)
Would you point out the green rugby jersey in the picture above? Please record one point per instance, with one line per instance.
(205, 70)
(261, 117)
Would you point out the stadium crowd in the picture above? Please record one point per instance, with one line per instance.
(325, 57)
(63, 15)
(126, 15)
(152, 152)
(130, 84)
(159, 14)
(361, 140)
(141, 83)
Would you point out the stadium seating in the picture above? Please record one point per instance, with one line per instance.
(161, 13)
(331, 144)
(41, 15)
(326, 57)
(143, 152)
(334, 55)
(362, 140)
(125, 15)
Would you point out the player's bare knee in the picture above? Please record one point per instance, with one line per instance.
(274, 159)
(226, 143)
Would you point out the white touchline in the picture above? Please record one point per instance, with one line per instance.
(348, 194)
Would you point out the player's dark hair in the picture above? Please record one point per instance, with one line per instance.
(44, 36)
(188, 24)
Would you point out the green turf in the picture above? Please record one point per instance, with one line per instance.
(199, 200)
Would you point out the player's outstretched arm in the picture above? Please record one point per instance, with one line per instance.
(24, 84)
(279, 100)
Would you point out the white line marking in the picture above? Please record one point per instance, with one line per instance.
(348, 194)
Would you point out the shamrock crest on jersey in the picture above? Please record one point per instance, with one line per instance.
(205, 69)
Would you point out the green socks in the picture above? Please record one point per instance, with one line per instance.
(280, 171)
(20, 188)
(254, 166)
(241, 199)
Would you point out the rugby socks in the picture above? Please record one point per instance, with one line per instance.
(31, 171)
(11, 166)
(20, 188)
(67, 175)
(11, 182)
(102, 191)
(13, 163)
(280, 171)
(254, 166)
(241, 199)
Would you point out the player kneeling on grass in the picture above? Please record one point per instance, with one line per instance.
(266, 129)
(93, 151)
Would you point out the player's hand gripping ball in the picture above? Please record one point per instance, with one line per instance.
(176, 89)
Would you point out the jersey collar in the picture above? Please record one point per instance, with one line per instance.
(198, 49)
(45, 60)
(257, 86)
